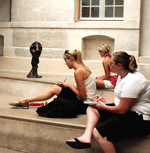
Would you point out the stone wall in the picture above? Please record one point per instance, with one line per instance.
(145, 29)
(5, 11)
(55, 25)
(55, 41)
(42, 10)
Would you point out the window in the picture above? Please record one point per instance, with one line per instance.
(101, 9)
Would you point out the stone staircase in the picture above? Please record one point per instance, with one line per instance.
(23, 130)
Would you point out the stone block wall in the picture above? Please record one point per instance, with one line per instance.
(55, 24)
(45, 10)
(5, 11)
(55, 41)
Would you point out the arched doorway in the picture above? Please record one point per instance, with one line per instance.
(91, 43)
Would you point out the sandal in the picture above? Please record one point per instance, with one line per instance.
(20, 104)
(78, 145)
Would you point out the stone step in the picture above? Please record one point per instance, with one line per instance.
(46, 65)
(4, 150)
(27, 125)
(17, 84)
(58, 66)
(23, 130)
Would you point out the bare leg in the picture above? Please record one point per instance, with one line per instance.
(106, 146)
(100, 83)
(54, 90)
(92, 120)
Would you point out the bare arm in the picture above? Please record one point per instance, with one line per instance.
(124, 105)
(80, 91)
(106, 66)
(106, 63)
(79, 77)
(104, 99)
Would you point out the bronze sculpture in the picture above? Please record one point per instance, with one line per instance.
(35, 50)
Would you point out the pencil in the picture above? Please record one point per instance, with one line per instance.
(100, 95)
(65, 79)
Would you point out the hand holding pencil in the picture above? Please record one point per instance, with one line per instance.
(61, 83)
(99, 98)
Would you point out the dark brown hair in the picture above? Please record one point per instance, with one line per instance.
(126, 60)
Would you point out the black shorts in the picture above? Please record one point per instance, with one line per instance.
(116, 126)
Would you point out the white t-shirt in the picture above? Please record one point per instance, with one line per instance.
(134, 85)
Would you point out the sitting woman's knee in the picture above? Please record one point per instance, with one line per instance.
(55, 89)
(90, 109)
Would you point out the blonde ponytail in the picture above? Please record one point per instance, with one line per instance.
(76, 54)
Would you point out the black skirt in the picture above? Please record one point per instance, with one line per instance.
(66, 105)
(116, 126)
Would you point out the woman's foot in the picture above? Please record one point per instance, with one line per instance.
(82, 139)
(20, 104)
(77, 144)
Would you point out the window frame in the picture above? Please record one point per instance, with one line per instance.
(101, 17)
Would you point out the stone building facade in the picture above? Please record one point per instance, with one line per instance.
(59, 25)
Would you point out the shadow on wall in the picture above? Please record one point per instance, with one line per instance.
(91, 43)
(1, 45)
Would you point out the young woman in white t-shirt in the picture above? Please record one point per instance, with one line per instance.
(127, 115)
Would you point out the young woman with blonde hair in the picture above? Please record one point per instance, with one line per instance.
(107, 80)
(69, 101)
